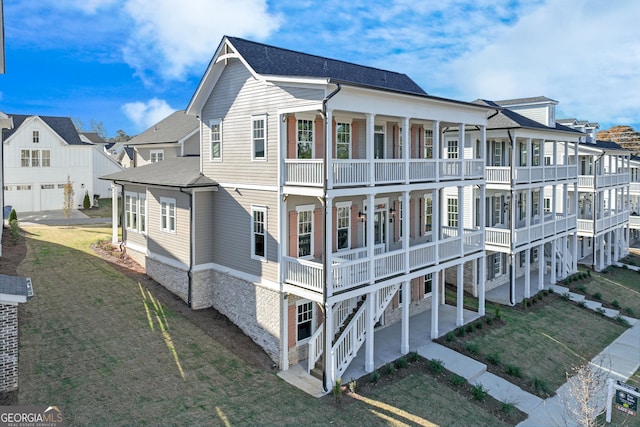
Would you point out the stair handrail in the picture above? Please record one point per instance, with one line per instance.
(315, 347)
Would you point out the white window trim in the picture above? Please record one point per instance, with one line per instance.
(168, 201)
(346, 205)
(262, 117)
(313, 133)
(133, 210)
(497, 256)
(262, 209)
(156, 152)
(142, 207)
(305, 208)
(430, 294)
(313, 317)
(426, 196)
(341, 121)
(211, 124)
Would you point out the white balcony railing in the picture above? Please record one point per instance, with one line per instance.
(499, 174)
(304, 172)
(350, 172)
(634, 222)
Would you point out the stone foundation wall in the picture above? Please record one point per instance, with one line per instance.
(394, 315)
(172, 278)
(8, 347)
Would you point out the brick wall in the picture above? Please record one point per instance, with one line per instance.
(8, 347)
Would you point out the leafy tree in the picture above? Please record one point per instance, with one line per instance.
(98, 127)
(68, 199)
(121, 136)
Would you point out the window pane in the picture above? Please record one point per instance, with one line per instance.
(35, 158)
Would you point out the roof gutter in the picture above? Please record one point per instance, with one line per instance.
(325, 264)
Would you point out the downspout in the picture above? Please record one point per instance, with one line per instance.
(512, 217)
(325, 266)
(191, 248)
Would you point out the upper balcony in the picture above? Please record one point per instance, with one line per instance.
(634, 222)
(589, 182)
(354, 268)
(587, 226)
(524, 174)
(634, 188)
(358, 172)
(539, 228)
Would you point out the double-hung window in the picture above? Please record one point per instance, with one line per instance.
(428, 213)
(452, 212)
(343, 140)
(304, 320)
(452, 149)
(135, 209)
(428, 285)
(259, 137)
(168, 214)
(343, 225)
(305, 139)
(305, 231)
(215, 136)
(36, 136)
(25, 158)
(46, 158)
(258, 232)
(35, 158)
(156, 156)
(428, 143)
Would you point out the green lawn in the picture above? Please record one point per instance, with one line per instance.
(545, 341)
(105, 349)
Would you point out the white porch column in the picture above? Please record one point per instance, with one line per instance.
(406, 302)
(114, 213)
(435, 297)
(600, 243)
(461, 149)
(553, 261)
(512, 279)
(527, 273)
(328, 148)
(481, 291)
(369, 223)
(328, 247)
(370, 144)
(370, 322)
(616, 246)
(461, 201)
(574, 258)
(436, 149)
(329, 363)
(541, 267)
(406, 147)
(460, 295)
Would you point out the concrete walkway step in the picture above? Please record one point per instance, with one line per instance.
(457, 363)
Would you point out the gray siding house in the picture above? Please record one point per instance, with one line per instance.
(323, 205)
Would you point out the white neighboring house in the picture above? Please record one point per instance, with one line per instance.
(40, 152)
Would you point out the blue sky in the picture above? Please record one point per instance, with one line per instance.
(130, 63)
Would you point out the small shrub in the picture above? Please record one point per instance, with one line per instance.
(388, 369)
(436, 366)
(581, 303)
(513, 370)
(401, 363)
(375, 376)
(589, 273)
(450, 337)
(472, 347)
(497, 314)
(460, 332)
(539, 296)
(615, 303)
(597, 296)
(551, 290)
(541, 386)
(489, 321)
(413, 356)
(508, 408)
(337, 390)
(478, 392)
(352, 386)
(469, 327)
(566, 296)
(12, 215)
(533, 300)
(86, 202)
(545, 292)
(622, 321)
(625, 266)
(494, 358)
(525, 304)
(629, 311)
(457, 380)
(582, 289)
(14, 231)
(566, 283)
(478, 324)
(600, 311)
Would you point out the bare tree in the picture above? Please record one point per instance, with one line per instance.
(585, 395)
(68, 200)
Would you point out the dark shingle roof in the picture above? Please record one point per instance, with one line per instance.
(16, 286)
(174, 172)
(93, 137)
(530, 100)
(172, 128)
(507, 119)
(63, 126)
(606, 145)
(270, 60)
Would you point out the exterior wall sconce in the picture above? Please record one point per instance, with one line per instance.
(392, 214)
(362, 216)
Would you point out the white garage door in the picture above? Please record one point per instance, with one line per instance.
(51, 197)
(20, 197)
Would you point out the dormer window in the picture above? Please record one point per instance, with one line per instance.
(36, 136)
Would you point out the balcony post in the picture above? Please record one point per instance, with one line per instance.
(482, 274)
(328, 148)
(406, 149)
(461, 149)
(541, 267)
(461, 201)
(369, 144)
(436, 149)
(460, 295)
(574, 258)
(527, 273)
(435, 296)
(370, 322)
(405, 229)
(328, 247)
(369, 223)
(553, 261)
(406, 302)
(329, 356)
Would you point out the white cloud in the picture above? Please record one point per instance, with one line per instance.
(173, 39)
(146, 114)
(90, 6)
(584, 54)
